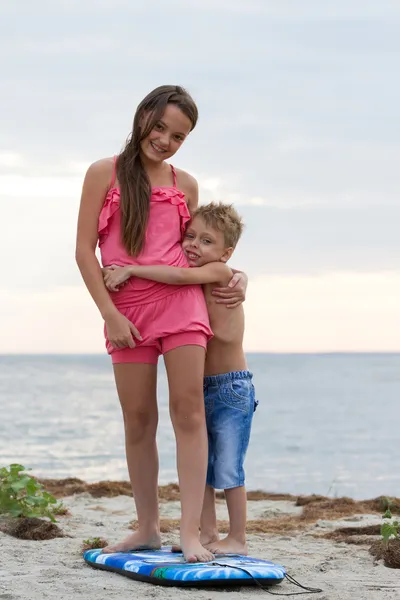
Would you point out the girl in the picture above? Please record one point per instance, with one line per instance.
(136, 207)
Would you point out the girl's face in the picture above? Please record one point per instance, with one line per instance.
(167, 136)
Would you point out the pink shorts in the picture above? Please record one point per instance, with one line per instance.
(180, 319)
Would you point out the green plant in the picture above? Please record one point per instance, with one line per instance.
(22, 496)
(93, 543)
(60, 509)
(390, 528)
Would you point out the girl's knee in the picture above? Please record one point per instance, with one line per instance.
(187, 413)
(139, 425)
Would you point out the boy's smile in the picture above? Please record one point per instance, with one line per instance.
(203, 244)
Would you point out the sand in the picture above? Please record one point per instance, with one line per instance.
(55, 569)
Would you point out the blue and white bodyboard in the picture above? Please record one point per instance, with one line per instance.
(163, 567)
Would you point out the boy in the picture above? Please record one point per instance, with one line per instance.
(208, 243)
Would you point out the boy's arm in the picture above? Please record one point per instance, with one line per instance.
(215, 272)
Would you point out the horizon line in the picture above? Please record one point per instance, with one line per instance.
(269, 352)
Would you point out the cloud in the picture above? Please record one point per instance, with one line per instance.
(292, 10)
(281, 9)
(63, 320)
(294, 104)
(42, 188)
(286, 233)
(298, 126)
(11, 160)
(341, 311)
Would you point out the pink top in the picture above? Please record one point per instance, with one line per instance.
(168, 216)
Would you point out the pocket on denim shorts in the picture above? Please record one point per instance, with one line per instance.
(238, 394)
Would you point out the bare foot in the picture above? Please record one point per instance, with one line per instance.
(208, 538)
(193, 551)
(205, 540)
(136, 541)
(228, 545)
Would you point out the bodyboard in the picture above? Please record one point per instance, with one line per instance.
(163, 567)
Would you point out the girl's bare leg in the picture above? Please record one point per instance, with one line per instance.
(136, 385)
(208, 521)
(185, 369)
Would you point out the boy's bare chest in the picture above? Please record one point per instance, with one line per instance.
(227, 324)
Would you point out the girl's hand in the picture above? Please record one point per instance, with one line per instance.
(235, 293)
(114, 277)
(120, 331)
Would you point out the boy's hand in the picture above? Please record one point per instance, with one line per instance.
(106, 270)
(235, 293)
(115, 277)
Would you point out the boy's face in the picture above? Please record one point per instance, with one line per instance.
(203, 244)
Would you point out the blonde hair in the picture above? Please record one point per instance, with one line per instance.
(222, 217)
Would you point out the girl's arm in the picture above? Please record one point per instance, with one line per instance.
(94, 191)
(120, 331)
(211, 273)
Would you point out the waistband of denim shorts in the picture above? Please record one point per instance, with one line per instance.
(227, 377)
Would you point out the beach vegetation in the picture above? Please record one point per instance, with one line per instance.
(94, 543)
(22, 496)
(390, 528)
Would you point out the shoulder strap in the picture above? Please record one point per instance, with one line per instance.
(173, 175)
(114, 173)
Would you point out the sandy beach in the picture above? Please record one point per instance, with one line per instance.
(300, 533)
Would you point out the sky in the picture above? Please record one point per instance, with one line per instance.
(299, 127)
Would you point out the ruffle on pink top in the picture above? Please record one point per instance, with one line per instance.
(158, 194)
(110, 207)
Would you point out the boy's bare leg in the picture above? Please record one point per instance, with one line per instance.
(235, 541)
(208, 522)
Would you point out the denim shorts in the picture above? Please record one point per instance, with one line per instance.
(230, 404)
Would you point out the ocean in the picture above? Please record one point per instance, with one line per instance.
(326, 423)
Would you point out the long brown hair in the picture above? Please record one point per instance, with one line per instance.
(133, 180)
